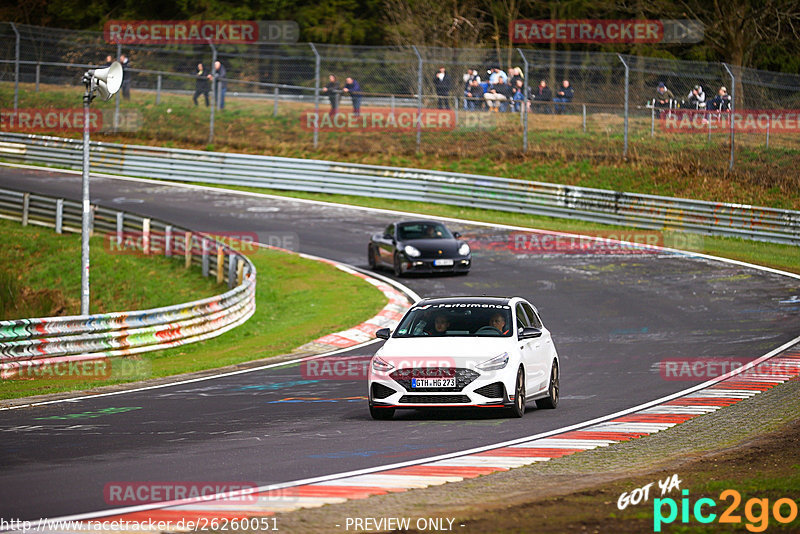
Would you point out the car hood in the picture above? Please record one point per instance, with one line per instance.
(430, 247)
(439, 351)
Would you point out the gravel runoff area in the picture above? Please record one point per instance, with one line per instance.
(579, 492)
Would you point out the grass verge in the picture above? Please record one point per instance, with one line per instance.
(297, 300)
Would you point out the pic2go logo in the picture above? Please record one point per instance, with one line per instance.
(756, 511)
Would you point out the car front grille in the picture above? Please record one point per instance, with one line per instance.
(492, 391)
(434, 399)
(463, 377)
(379, 391)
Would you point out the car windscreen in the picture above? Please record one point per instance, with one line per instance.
(465, 320)
(423, 230)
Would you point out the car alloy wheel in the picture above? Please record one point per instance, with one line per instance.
(551, 401)
(518, 410)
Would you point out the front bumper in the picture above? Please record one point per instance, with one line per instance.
(480, 393)
(425, 265)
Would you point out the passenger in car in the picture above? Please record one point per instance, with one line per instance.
(440, 325)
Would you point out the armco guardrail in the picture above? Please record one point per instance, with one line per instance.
(540, 198)
(34, 342)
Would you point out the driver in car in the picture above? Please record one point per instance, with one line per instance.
(499, 322)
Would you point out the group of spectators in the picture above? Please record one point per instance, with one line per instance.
(696, 99)
(505, 92)
(203, 80)
(334, 91)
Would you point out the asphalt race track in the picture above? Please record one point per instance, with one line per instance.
(614, 317)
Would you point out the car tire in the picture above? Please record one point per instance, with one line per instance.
(551, 401)
(381, 414)
(373, 264)
(397, 267)
(518, 409)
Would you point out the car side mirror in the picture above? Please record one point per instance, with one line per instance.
(387, 236)
(529, 332)
(384, 333)
(456, 235)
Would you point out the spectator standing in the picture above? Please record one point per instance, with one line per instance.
(353, 88)
(109, 60)
(201, 84)
(333, 90)
(697, 98)
(442, 84)
(543, 95)
(518, 94)
(470, 75)
(721, 102)
(126, 76)
(664, 97)
(564, 95)
(221, 83)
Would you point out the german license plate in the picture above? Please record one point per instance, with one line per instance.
(433, 382)
(443, 263)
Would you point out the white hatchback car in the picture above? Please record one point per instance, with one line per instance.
(485, 352)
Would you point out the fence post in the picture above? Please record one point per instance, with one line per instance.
(391, 103)
(419, 97)
(16, 67)
(187, 250)
(205, 258)
(584, 117)
(214, 92)
(627, 80)
(524, 104)
(316, 93)
(59, 215)
(38, 75)
(456, 109)
(733, 119)
(158, 90)
(232, 261)
(653, 120)
(275, 107)
(768, 124)
(146, 236)
(116, 97)
(120, 226)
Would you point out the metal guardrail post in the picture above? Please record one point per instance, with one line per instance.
(316, 93)
(627, 88)
(584, 117)
(275, 106)
(59, 215)
(769, 122)
(168, 241)
(158, 90)
(419, 98)
(16, 67)
(653, 121)
(733, 115)
(205, 259)
(26, 204)
(214, 92)
(120, 226)
(38, 75)
(524, 104)
(233, 260)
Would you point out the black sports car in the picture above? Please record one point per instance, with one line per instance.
(419, 247)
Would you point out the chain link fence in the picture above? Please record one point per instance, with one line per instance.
(293, 95)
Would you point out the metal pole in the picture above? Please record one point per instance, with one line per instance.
(584, 118)
(116, 98)
(87, 209)
(214, 92)
(653, 120)
(275, 107)
(627, 80)
(733, 107)
(391, 100)
(158, 90)
(419, 97)
(38, 75)
(455, 98)
(316, 93)
(16, 67)
(524, 104)
(768, 123)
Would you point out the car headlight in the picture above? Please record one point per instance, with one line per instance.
(463, 249)
(412, 251)
(498, 362)
(380, 365)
